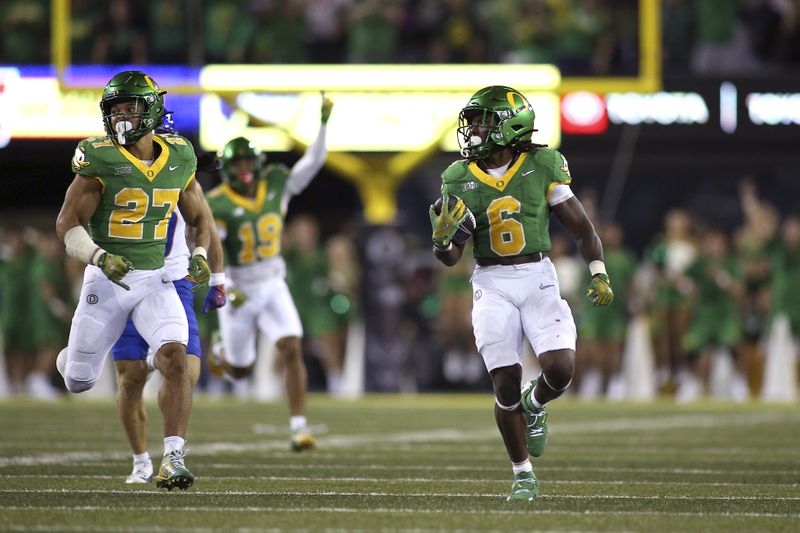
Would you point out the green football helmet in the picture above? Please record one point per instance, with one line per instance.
(138, 87)
(234, 150)
(507, 114)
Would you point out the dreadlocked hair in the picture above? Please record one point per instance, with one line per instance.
(528, 146)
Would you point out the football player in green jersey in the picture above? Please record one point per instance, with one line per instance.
(502, 194)
(249, 208)
(125, 189)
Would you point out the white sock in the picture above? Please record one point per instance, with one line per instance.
(141, 458)
(297, 423)
(534, 401)
(172, 444)
(524, 466)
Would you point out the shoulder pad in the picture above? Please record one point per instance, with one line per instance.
(176, 142)
(455, 172)
(554, 161)
(174, 139)
(179, 144)
(89, 155)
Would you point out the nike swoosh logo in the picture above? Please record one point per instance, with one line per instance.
(528, 172)
(171, 168)
(542, 286)
(271, 195)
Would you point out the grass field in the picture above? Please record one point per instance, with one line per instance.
(394, 463)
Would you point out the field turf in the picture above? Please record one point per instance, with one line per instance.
(407, 463)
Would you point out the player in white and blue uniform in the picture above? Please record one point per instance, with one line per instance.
(130, 353)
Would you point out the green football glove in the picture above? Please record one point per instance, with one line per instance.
(445, 224)
(599, 291)
(199, 271)
(236, 297)
(115, 267)
(327, 107)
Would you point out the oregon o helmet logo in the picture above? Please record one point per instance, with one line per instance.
(511, 96)
(92, 299)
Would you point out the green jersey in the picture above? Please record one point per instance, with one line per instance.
(137, 200)
(252, 227)
(711, 296)
(512, 214)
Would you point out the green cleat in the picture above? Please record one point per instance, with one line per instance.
(536, 421)
(525, 487)
(173, 473)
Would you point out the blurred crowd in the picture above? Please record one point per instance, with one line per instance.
(40, 284)
(582, 37)
(706, 294)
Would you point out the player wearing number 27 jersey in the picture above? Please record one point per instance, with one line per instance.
(125, 189)
(502, 194)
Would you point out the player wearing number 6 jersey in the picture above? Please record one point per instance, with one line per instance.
(249, 208)
(125, 189)
(505, 189)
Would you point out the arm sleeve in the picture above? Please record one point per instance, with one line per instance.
(307, 167)
(557, 193)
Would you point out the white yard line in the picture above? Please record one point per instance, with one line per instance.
(425, 480)
(382, 494)
(643, 424)
(399, 510)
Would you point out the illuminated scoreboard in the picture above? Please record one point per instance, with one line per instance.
(378, 108)
(751, 110)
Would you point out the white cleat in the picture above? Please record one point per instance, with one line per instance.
(142, 473)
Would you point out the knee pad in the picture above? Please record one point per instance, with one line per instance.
(79, 377)
(76, 387)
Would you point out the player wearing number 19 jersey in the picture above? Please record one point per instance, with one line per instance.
(125, 189)
(249, 208)
(502, 195)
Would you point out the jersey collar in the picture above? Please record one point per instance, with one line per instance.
(497, 183)
(251, 204)
(152, 171)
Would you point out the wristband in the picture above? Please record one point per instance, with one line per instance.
(217, 278)
(200, 251)
(81, 246)
(597, 267)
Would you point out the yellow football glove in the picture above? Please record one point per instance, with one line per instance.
(599, 291)
(446, 222)
(199, 271)
(115, 267)
(327, 107)
(236, 297)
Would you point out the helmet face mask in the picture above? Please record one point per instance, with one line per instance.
(504, 112)
(240, 177)
(139, 88)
